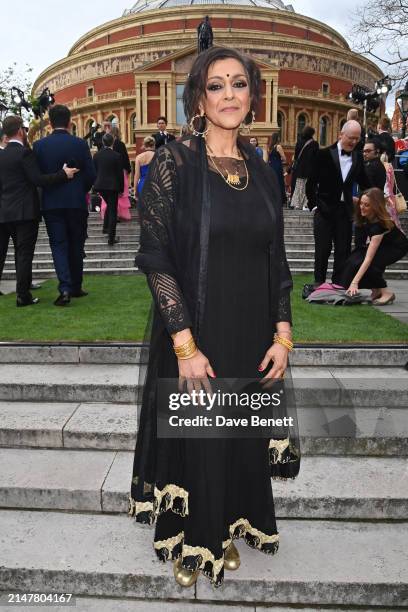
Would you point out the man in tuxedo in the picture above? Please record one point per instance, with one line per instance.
(374, 168)
(19, 201)
(330, 192)
(4, 239)
(162, 137)
(109, 183)
(64, 207)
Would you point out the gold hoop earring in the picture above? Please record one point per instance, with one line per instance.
(248, 126)
(194, 131)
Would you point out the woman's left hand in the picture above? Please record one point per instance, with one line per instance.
(278, 354)
(353, 289)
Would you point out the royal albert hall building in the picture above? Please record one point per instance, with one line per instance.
(132, 69)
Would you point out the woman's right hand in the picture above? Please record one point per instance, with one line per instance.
(195, 372)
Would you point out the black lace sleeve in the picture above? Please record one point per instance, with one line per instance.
(284, 308)
(156, 255)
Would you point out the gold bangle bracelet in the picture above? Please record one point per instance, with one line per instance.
(188, 356)
(284, 342)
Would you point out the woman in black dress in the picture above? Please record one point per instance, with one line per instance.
(277, 161)
(381, 244)
(212, 249)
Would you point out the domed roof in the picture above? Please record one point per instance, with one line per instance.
(151, 5)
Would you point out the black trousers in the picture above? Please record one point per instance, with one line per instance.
(67, 230)
(4, 243)
(111, 215)
(334, 229)
(24, 236)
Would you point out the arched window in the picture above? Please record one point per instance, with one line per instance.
(342, 122)
(74, 129)
(180, 116)
(133, 128)
(282, 126)
(301, 123)
(323, 131)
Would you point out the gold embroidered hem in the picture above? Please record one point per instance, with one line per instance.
(284, 459)
(200, 558)
(171, 497)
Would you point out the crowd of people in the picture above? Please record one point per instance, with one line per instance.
(326, 181)
(63, 166)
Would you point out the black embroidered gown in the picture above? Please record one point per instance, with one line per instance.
(211, 491)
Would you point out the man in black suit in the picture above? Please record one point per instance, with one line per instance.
(162, 137)
(330, 191)
(4, 237)
(109, 183)
(19, 201)
(374, 168)
(64, 207)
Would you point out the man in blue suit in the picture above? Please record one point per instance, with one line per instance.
(64, 207)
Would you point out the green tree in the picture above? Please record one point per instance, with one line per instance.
(380, 30)
(15, 76)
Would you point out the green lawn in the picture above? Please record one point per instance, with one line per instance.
(117, 308)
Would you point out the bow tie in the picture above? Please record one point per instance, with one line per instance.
(343, 152)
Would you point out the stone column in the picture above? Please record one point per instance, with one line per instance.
(275, 103)
(315, 122)
(291, 124)
(80, 126)
(171, 94)
(123, 124)
(138, 104)
(335, 126)
(144, 102)
(268, 102)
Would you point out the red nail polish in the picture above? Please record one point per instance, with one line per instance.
(260, 368)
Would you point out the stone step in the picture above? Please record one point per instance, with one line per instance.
(303, 254)
(319, 562)
(50, 272)
(390, 273)
(347, 431)
(68, 382)
(99, 481)
(294, 262)
(106, 263)
(107, 604)
(319, 386)
(130, 353)
(100, 253)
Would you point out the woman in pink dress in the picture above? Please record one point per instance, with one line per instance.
(389, 190)
(123, 200)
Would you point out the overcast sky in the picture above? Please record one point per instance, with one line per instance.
(40, 33)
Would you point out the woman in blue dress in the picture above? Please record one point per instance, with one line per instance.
(142, 163)
(277, 161)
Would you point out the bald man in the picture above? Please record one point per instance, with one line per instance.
(330, 192)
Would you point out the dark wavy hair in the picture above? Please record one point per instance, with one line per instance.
(195, 87)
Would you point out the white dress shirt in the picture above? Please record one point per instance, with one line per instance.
(346, 162)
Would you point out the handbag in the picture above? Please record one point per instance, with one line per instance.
(296, 161)
(400, 203)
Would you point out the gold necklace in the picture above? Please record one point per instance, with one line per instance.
(232, 179)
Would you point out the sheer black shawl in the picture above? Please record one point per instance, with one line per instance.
(175, 208)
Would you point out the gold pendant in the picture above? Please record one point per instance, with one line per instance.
(233, 179)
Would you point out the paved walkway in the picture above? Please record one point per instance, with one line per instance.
(399, 309)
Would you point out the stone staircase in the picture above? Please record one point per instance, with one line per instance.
(120, 258)
(67, 434)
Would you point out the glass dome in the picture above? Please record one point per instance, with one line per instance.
(151, 5)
